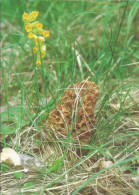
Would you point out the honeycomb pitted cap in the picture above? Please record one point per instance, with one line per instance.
(74, 116)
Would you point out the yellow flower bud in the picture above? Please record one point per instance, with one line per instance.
(28, 28)
(35, 49)
(38, 62)
(46, 33)
(43, 54)
(43, 51)
(25, 16)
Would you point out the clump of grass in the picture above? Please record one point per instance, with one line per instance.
(88, 39)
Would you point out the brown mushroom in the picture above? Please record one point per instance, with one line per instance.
(75, 114)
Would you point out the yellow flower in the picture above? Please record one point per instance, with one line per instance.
(28, 27)
(31, 35)
(39, 25)
(25, 16)
(38, 62)
(46, 33)
(35, 31)
(34, 14)
(35, 49)
(39, 40)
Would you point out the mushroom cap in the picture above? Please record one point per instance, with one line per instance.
(74, 116)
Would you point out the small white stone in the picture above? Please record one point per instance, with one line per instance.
(10, 156)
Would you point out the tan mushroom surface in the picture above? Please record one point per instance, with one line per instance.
(74, 115)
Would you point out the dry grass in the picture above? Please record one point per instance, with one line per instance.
(81, 47)
(77, 166)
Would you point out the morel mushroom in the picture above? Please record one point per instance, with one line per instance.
(74, 116)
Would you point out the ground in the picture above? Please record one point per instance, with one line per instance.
(89, 40)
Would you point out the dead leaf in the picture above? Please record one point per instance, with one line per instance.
(101, 163)
(106, 164)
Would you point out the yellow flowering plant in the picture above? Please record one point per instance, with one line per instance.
(37, 33)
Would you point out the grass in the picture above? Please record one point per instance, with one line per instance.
(97, 40)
